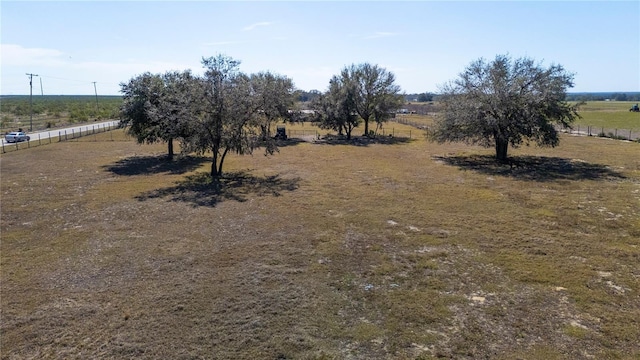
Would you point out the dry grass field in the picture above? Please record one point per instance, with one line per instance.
(388, 250)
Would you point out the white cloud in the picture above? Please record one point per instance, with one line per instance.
(16, 55)
(253, 26)
(62, 74)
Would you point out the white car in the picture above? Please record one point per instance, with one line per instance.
(16, 136)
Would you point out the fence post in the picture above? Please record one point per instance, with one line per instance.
(59, 136)
(3, 147)
(65, 135)
(629, 135)
(39, 142)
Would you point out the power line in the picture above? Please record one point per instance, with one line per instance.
(58, 78)
(79, 82)
(74, 80)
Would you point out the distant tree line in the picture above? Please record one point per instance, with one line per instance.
(615, 96)
(307, 96)
(423, 97)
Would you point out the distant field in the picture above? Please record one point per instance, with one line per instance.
(609, 115)
(55, 111)
(604, 116)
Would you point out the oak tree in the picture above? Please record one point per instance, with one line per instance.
(236, 110)
(375, 93)
(505, 102)
(157, 107)
(335, 108)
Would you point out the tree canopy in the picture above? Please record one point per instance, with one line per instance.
(237, 110)
(375, 93)
(363, 90)
(505, 102)
(335, 108)
(223, 111)
(156, 107)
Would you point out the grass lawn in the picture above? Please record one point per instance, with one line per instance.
(609, 115)
(389, 250)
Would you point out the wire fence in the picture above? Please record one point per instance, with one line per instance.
(415, 124)
(56, 136)
(312, 134)
(580, 130)
(601, 131)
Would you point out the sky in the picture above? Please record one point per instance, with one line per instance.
(72, 44)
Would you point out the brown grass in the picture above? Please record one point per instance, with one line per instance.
(396, 250)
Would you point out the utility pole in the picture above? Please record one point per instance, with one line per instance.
(96, 90)
(41, 91)
(31, 100)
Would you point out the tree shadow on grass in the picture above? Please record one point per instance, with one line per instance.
(201, 190)
(363, 140)
(140, 165)
(291, 141)
(533, 168)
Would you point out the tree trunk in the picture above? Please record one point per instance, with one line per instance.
(502, 146)
(214, 166)
(366, 127)
(224, 154)
(170, 149)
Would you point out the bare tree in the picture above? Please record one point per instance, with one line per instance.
(505, 102)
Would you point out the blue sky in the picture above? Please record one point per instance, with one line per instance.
(424, 43)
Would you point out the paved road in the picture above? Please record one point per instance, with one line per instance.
(70, 130)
